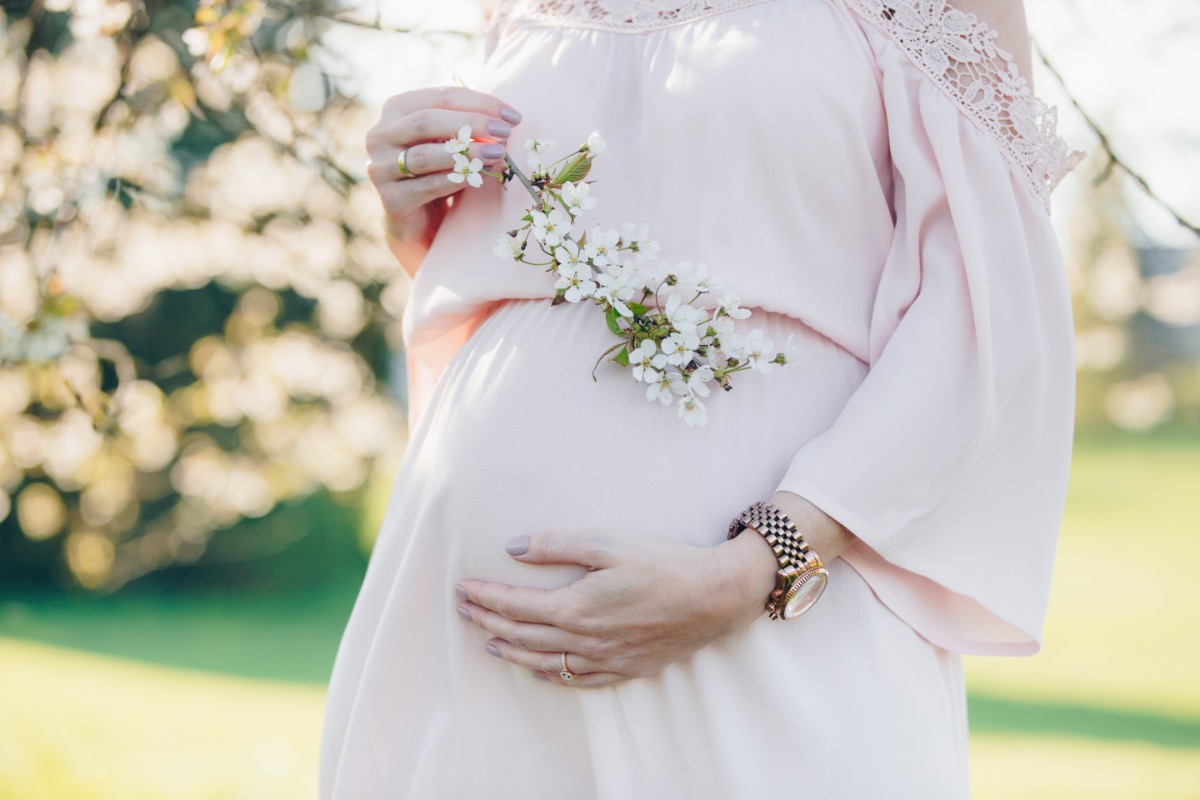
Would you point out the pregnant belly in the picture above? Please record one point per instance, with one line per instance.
(520, 439)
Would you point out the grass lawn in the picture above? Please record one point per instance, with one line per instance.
(219, 695)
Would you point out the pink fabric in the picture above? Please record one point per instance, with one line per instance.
(853, 205)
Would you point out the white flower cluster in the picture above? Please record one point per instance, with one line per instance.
(674, 347)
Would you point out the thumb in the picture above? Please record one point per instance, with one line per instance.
(592, 549)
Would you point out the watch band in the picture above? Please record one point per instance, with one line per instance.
(796, 559)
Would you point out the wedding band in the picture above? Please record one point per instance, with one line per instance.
(566, 674)
(405, 172)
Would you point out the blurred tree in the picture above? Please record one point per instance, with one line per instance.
(196, 304)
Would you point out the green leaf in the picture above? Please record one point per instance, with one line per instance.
(574, 170)
(611, 316)
(528, 218)
(622, 357)
(638, 308)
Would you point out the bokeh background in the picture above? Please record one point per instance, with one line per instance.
(201, 401)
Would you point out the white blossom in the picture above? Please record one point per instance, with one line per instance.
(697, 382)
(731, 305)
(692, 279)
(790, 352)
(595, 145)
(549, 229)
(722, 327)
(508, 246)
(646, 361)
(577, 281)
(680, 346)
(533, 152)
(567, 255)
(615, 289)
(692, 411)
(758, 349)
(660, 390)
(638, 237)
(578, 197)
(459, 144)
(683, 317)
(601, 247)
(466, 170)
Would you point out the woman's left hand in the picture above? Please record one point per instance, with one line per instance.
(646, 601)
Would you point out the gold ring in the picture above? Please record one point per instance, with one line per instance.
(405, 172)
(566, 674)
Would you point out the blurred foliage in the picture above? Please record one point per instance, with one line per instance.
(197, 307)
(1137, 318)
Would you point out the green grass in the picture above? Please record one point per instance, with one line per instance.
(219, 694)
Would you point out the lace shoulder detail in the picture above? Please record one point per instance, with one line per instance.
(626, 16)
(958, 52)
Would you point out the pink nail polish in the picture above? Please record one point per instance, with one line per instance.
(510, 115)
(462, 612)
(461, 592)
(518, 546)
(492, 649)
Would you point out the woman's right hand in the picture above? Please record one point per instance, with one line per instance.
(421, 122)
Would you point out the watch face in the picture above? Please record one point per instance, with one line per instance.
(804, 593)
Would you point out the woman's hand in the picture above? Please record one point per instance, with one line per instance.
(422, 121)
(646, 601)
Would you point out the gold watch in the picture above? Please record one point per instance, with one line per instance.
(801, 577)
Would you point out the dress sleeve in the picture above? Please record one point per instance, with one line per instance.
(949, 463)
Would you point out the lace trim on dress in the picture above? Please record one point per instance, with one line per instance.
(628, 16)
(959, 53)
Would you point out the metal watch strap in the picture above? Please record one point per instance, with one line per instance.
(779, 531)
(798, 564)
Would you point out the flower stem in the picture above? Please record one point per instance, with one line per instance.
(521, 177)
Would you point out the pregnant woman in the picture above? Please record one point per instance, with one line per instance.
(555, 607)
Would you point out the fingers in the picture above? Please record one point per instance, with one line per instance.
(592, 549)
(523, 635)
(428, 159)
(451, 97)
(538, 661)
(436, 125)
(514, 602)
(587, 673)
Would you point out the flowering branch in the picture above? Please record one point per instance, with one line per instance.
(671, 345)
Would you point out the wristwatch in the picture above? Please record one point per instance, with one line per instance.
(801, 577)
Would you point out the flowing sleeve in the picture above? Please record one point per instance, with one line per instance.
(949, 463)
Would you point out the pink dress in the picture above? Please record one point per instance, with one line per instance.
(871, 177)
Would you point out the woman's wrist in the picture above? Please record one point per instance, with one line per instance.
(825, 535)
(749, 565)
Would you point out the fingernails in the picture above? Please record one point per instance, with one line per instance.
(462, 612)
(492, 649)
(540, 676)
(460, 591)
(518, 546)
(497, 128)
(493, 150)
(510, 114)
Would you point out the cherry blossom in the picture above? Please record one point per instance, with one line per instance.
(459, 143)
(466, 170)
